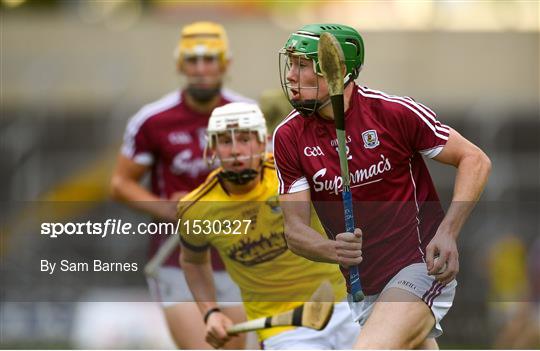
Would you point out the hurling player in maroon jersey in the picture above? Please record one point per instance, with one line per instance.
(404, 245)
(166, 138)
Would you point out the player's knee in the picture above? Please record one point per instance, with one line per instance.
(384, 343)
(417, 336)
(428, 344)
(411, 343)
(407, 339)
(372, 340)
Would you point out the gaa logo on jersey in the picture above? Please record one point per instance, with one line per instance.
(371, 140)
(177, 138)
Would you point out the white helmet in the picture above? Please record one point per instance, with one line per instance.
(236, 116)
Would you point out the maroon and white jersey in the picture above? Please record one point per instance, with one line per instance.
(169, 137)
(395, 202)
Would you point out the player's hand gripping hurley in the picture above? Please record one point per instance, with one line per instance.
(331, 62)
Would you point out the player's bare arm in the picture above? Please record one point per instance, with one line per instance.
(306, 242)
(473, 168)
(198, 273)
(125, 187)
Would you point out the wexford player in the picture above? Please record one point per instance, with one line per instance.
(271, 278)
(402, 227)
(166, 139)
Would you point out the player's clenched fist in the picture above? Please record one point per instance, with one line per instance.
(216, 329)
(349, 248)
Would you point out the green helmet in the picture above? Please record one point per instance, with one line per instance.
(304, 44)
(306, 40)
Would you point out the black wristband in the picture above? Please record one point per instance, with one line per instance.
(209, 312)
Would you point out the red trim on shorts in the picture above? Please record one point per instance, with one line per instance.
(434, 291)
(437, 293)
(428, 291)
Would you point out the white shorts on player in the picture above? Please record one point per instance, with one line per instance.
(340, 334)
(414, 279)
(169, 287)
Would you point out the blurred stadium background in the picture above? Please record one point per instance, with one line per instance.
(74, 71)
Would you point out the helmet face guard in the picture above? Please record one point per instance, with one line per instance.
(225, 124)
(306, 107)
(304, 43)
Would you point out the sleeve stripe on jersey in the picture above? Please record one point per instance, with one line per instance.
(438, 125)
(299, 185)
(420, 104)
(144, 158)
(194, 247)
(428, 112)
(166, 102)
(425, 110)
(406, 103)
(281, 182)
(432, 152)
(291, 115)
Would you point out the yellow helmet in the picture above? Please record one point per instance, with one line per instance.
(203, 38)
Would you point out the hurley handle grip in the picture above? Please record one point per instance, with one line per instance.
(255, 324)
(354, 272)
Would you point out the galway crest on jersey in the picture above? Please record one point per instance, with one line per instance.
(371, 140)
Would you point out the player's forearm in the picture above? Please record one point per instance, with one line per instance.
(200, 280)
(137, 197)
(308, 243)
(471, 179)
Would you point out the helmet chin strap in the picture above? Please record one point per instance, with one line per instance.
(324, 103)
(242, 177)
(309, 107)
(239, 178)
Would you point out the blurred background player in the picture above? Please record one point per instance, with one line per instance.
(404, 227)
(166, 140)
(274, 106)
(504, 264)
(271, 278)
(522, 327)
